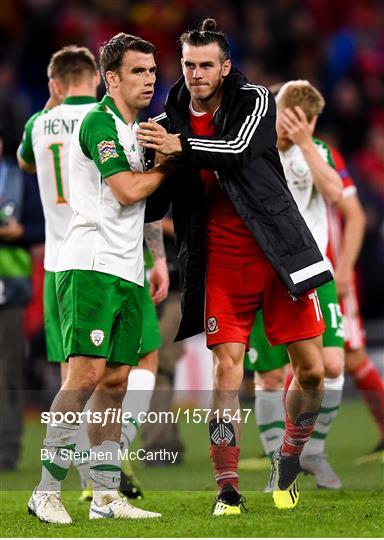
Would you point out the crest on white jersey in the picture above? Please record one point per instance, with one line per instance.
(300, 171)
(107, 150)
(97, 337)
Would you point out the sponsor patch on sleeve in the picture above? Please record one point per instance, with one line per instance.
(107, 150)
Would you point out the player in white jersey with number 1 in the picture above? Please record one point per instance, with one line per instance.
(73, 80)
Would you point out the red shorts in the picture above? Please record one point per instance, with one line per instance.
(353, 323)
(234, 292)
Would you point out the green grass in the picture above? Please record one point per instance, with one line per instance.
(184, 493)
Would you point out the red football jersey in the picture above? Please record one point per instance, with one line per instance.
(227, 236)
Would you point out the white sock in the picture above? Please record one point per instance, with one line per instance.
(105, 471)
(141, 383)
(333, 391)
(82, 445)
(270, 416)
(56, 457)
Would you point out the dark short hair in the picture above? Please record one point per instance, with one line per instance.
(71, 63)
(112, 51)
(205, 34)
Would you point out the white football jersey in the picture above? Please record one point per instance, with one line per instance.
(103, 235)
(46, 143)
(310, 202)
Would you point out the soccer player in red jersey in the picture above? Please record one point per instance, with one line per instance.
(242, 245)
(346, 230)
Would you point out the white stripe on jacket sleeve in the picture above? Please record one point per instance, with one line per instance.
(160, 117)
(310, 271)
(246, 130)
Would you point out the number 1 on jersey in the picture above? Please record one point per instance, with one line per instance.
(316, 304)
(55, 148)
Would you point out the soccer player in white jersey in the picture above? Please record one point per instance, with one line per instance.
(73, 80)
(99, 280)
(313, 182)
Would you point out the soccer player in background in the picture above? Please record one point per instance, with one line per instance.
(242, 245)
(346, 231)
(309, 170)
(99, 279)
(73, 80)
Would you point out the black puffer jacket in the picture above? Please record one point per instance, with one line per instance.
(243, 153)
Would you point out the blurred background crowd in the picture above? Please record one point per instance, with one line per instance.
(338, 45)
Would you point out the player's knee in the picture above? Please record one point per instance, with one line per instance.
(114, 382)
(113, 390)
(84, 380)
(228, 373)
(150, 362)
(334, 369)
(333, 362)
(118, 388)
(89, 381)
(270, 380)
(226, 364)
(310, 377)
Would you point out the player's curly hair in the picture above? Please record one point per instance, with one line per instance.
(204, 34)
(71, 63)
(112, 51)
(303, 94)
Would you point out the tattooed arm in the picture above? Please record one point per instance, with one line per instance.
(159, 278)
(153, 236)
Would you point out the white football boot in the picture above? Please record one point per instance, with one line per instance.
(119, 508)
(48, 507)
(318, 465)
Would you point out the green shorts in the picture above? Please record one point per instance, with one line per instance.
(151, 339)
(262, 357)
(53, 337)
(100, 315)
(151, 331)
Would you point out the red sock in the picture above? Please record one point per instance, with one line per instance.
(369, 382)
(296, 435)
(225, 462)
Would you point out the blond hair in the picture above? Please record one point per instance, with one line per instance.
(303, 94)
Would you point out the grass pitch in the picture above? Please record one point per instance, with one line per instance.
(184, 493)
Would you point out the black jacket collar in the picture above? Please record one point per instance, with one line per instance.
(178, 99)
